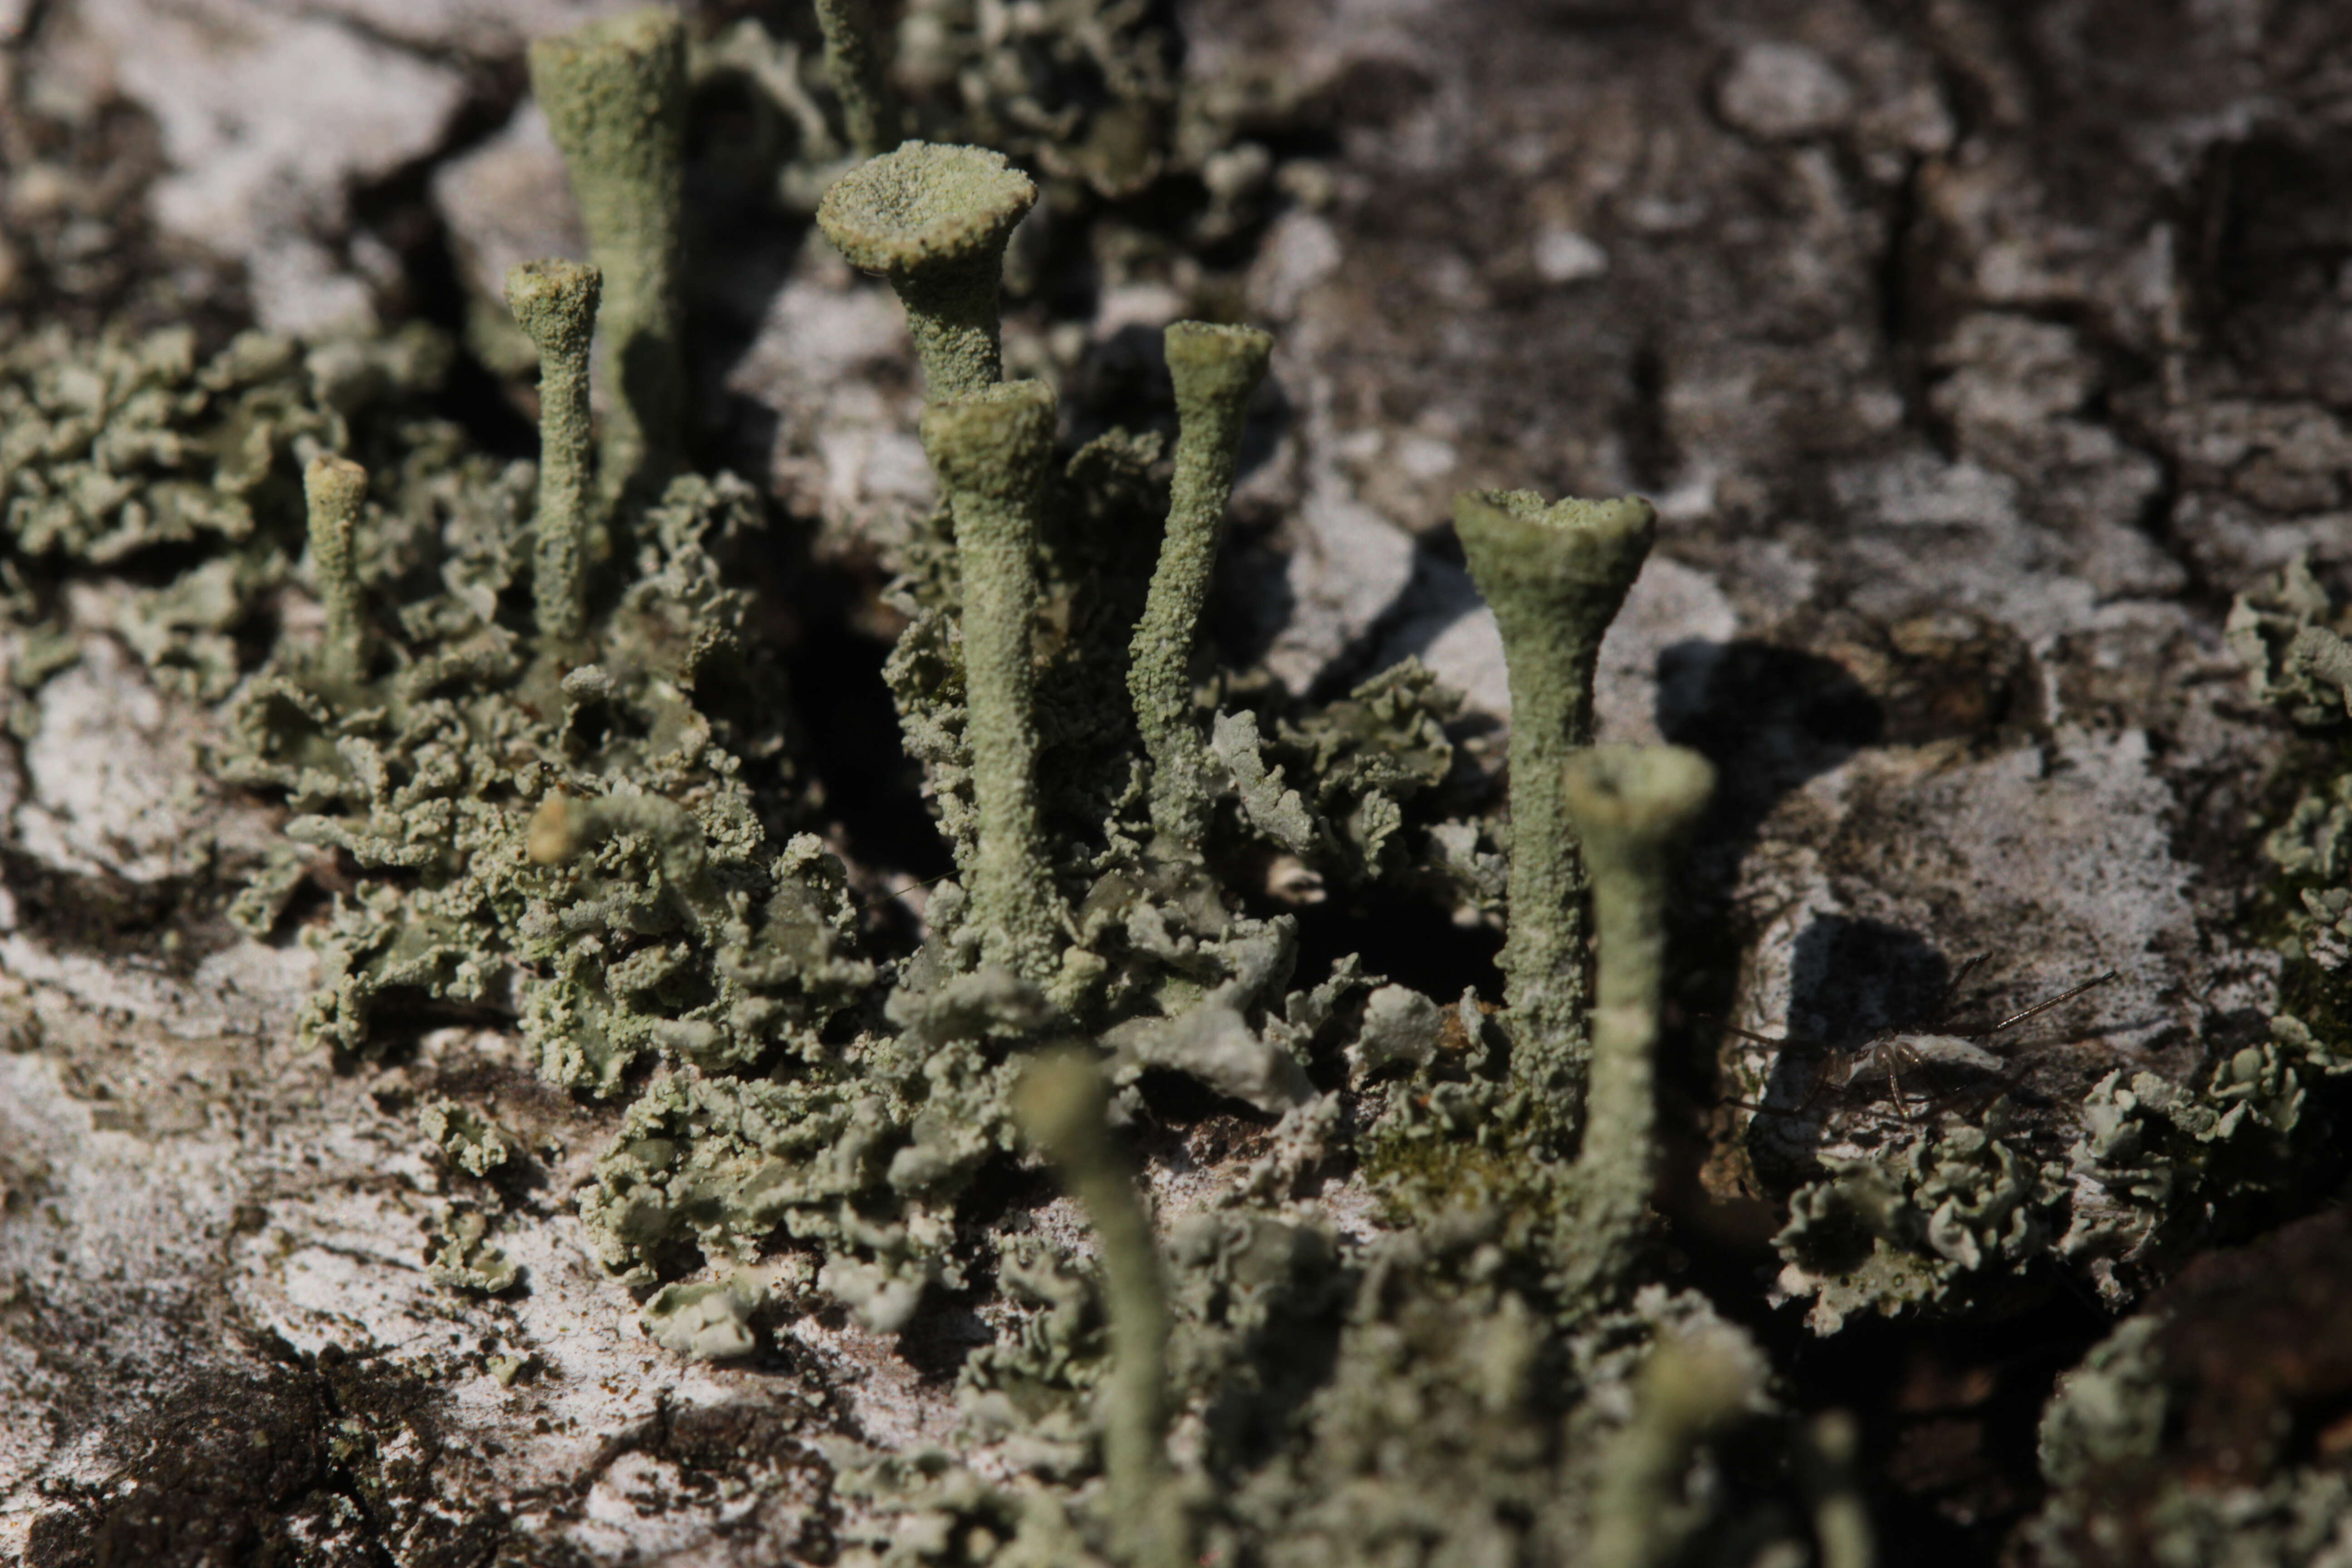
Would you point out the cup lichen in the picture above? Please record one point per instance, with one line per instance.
(1215, 369)
(588, 858)
(1690, 1389)
(334, 490)
(555, 303)
(1063, 1105)
(1556, 575)
(614, 92)
(1633, 807)
(934, 220)
(854, 64)
(992, 449)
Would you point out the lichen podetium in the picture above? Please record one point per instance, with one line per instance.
(1215, 369)
(335, 489)
(992, 449)
(854, 63)
(1556, 575)
(934, 220)
(555, 303)
(614, 94)
(1063, 1106)
(1633, 807)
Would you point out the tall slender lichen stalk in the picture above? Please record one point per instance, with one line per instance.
(1633, 806)
(1216, 370)
(1062, 1104)
(555, 303)
(991, 450)
(1828, 1466)
(934, 220)
(1555, 576)
(335, 489)
(854, 64)
(614, 95)
(1690, 1389)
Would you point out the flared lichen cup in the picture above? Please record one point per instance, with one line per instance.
(934, 220)
(1556, 573)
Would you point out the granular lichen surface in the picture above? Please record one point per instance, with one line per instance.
(540, 908)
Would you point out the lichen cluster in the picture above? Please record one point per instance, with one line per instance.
(536, 767)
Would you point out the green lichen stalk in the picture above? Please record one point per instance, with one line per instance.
(1690, 1390)
(991, 451)
(934, 220)
(334, 490)
(1216, 370)
(1828, 1464)
(854, 64)
(1555, 576)
(556, 301)
(1633, 806)
(1062, 1104)
(614, 94)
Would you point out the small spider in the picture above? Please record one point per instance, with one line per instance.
(1892, 1053)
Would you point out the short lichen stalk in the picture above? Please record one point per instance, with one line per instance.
(614, 95)
(991, 451)
(1063, 1105)
(854, 64)
(935, 220)
(1633, 807)
(335, 489)
(1216, 370)
(1555, 576)
(555, 303)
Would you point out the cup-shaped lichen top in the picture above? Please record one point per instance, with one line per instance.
(614, 94)
(1215, 368)
(1632, 807)
(993, 450)
(934, 220)
(1556, 575)
(556, 305)
(335, 489)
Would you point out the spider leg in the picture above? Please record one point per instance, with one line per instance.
(2046, 1006)
(1938, 1094)
(1730, 1028)
(1894, 1056)
(1951, 989)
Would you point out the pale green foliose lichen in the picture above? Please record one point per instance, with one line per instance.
(1949, 1219)
(466, 1261)
(1953, 1217)
(115, 450)
(467, 1139)
(2161, 1169)
(2291, 639)
(706, 1322)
